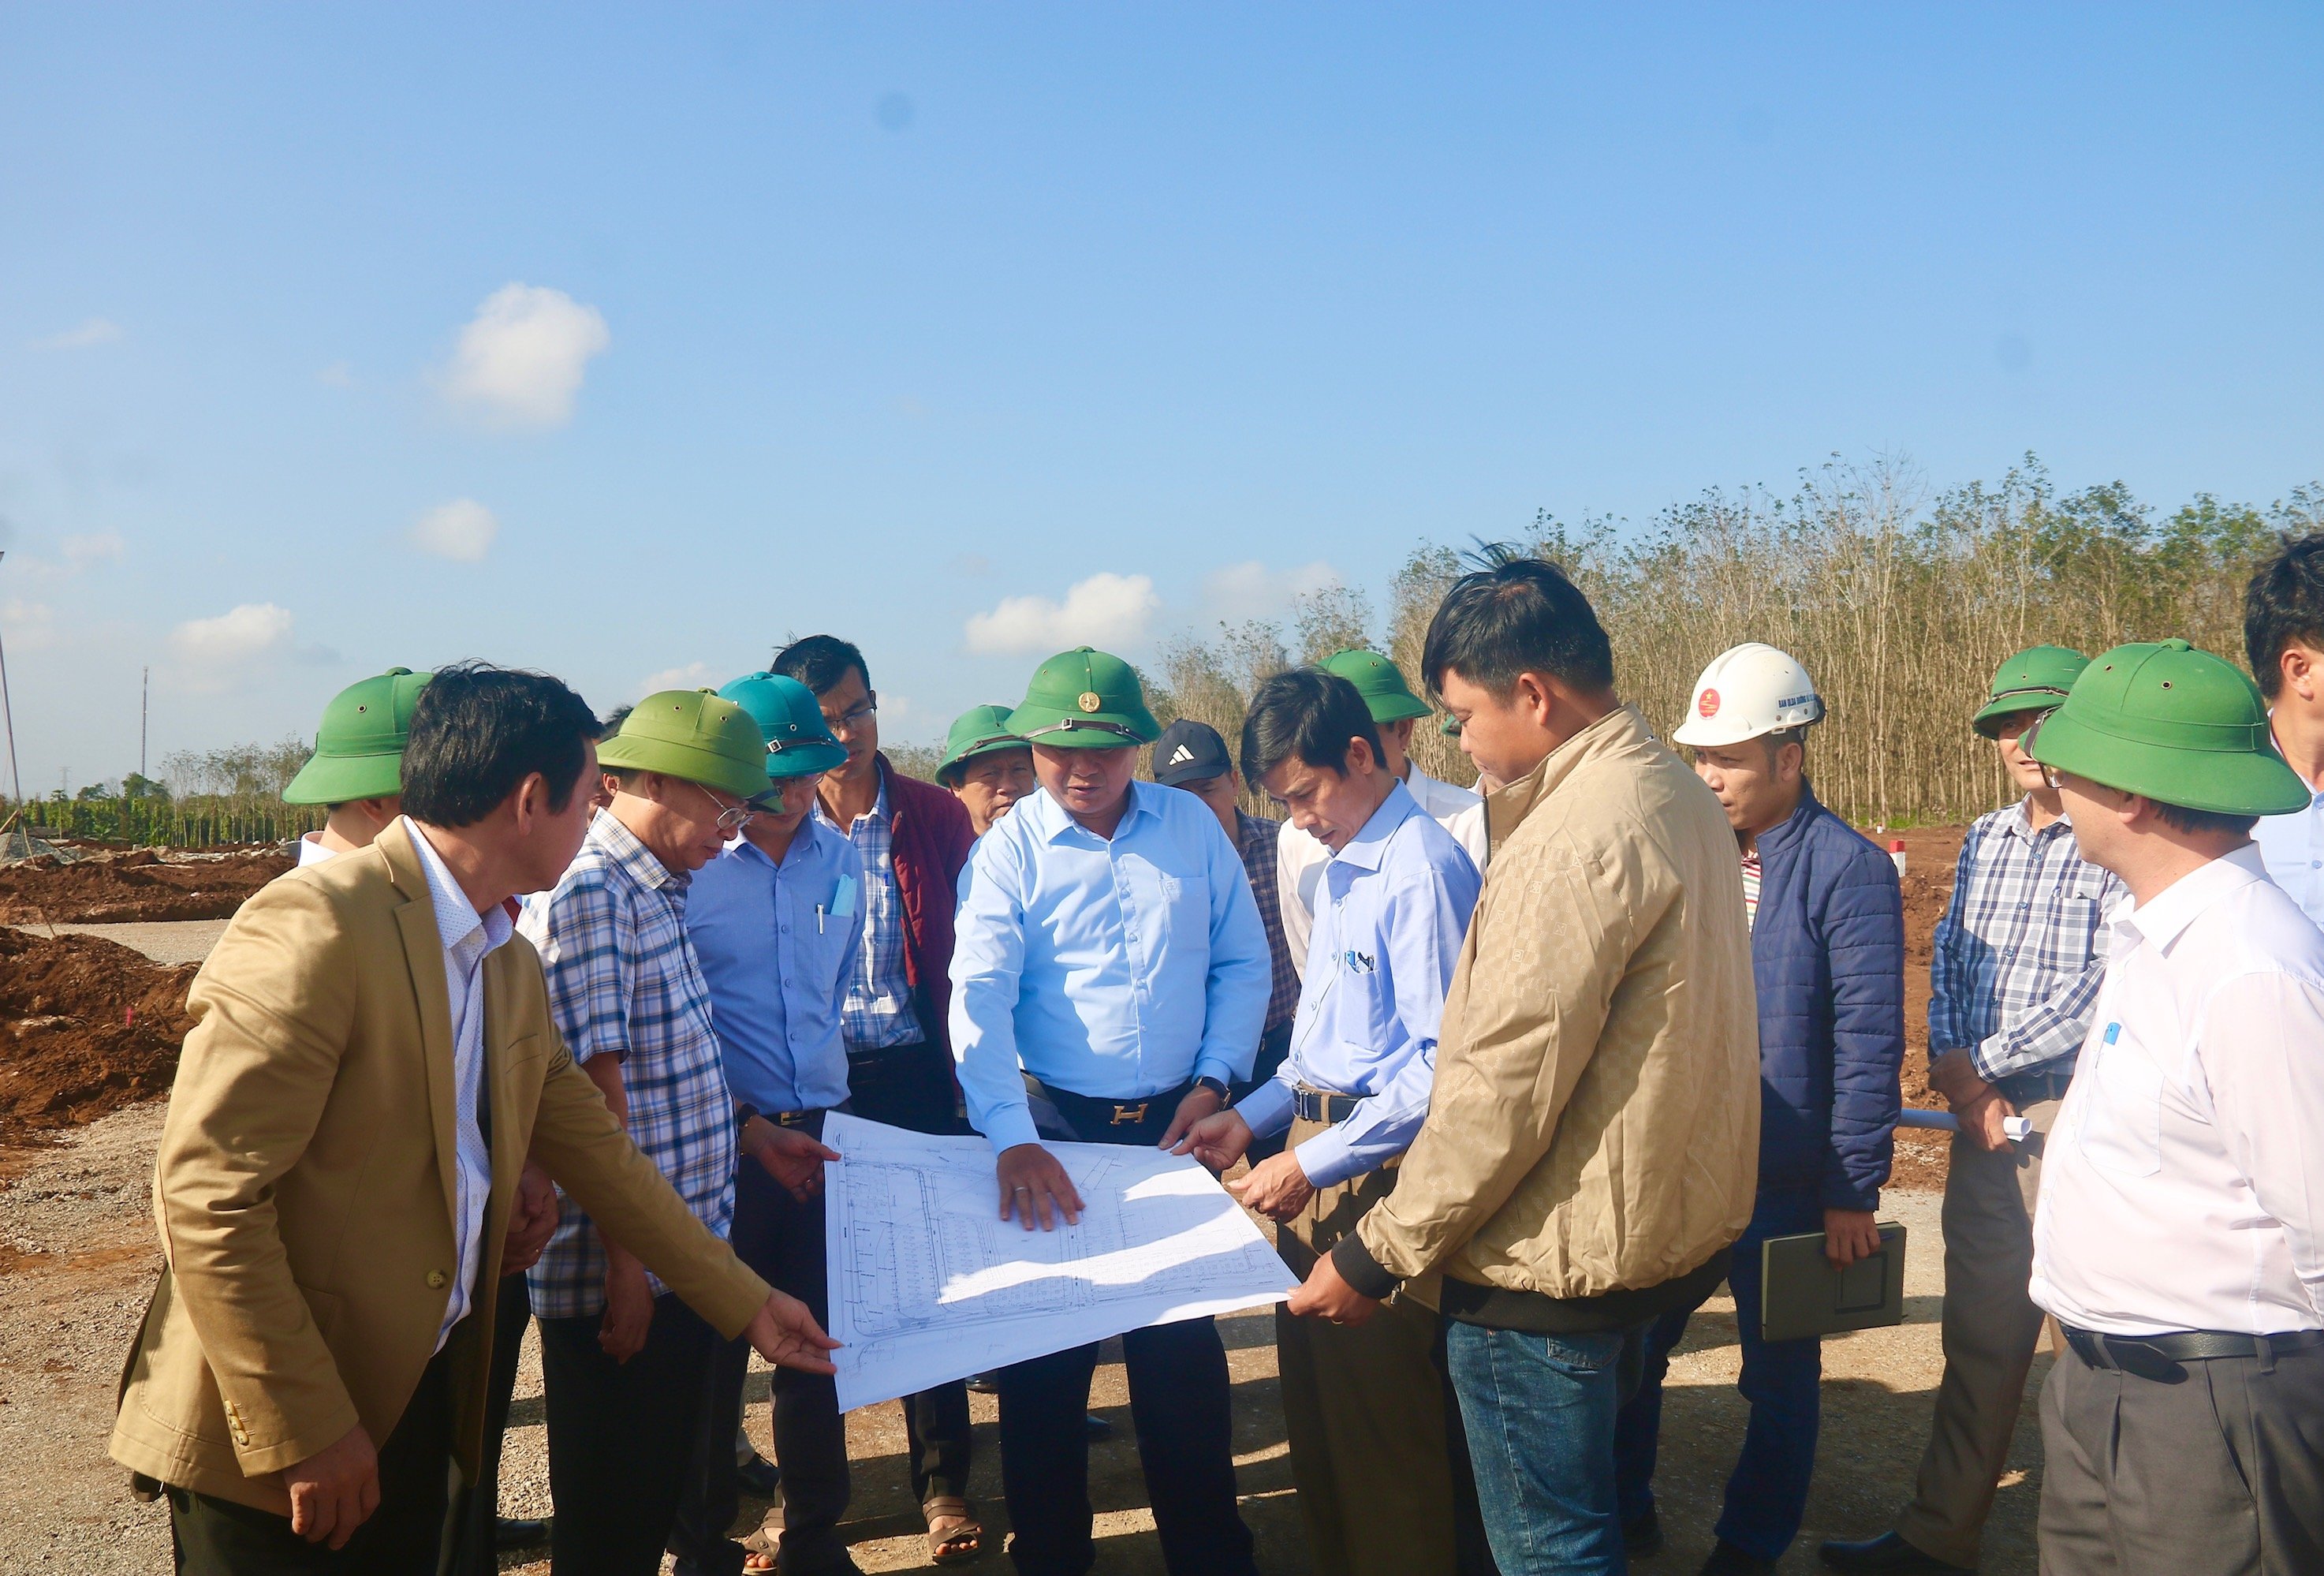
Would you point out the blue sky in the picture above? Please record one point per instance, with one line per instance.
(622, 342)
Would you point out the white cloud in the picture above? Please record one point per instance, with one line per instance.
(95, 547)
(95, 331)
(1107, 610)
(461, 530)
(521, 359)
(692, 676)
(1251, 589)
(230, 640)
(30, 626)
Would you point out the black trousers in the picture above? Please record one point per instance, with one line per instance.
(210, 1536)
(911, 1087)
(477, 1513)
(1274, 1047)
(1180, 1403)
(622, 1438)
(783, 1241)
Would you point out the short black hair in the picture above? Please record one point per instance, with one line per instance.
(819, 662)
(611, 725)
(2283, 603)
(477, 731)
(1516, 615)
(2179, 818)
(1308, 713)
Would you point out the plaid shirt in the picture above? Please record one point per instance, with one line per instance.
(624, 981)
(878, 1012)
(2021, 947)
(1255, 842)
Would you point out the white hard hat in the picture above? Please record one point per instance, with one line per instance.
(1747, 691)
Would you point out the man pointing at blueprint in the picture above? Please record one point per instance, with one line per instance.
(1110, 961)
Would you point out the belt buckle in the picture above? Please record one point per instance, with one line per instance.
(1129, 1114)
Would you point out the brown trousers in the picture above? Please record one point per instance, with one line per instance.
(1365, 1411)
(1989, 1331)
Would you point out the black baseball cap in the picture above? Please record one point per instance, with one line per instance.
(1188, 752)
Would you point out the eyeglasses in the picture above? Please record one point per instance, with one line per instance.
(856, 716)
(732, 818)
(2026, 744)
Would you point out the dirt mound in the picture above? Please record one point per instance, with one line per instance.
(85, 1027)
(136, 884)
(1930, 852)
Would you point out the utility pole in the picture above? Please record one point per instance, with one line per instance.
(144, 713)
(8, 715)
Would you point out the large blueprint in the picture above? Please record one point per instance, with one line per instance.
(929, 1284)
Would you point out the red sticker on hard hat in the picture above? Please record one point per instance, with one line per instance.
(1707, 703)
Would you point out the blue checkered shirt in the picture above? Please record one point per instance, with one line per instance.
(624, 981)
(878, 1012)
(2021, 949)
(1255, 840)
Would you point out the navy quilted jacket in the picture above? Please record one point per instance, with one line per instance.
(1828, 955)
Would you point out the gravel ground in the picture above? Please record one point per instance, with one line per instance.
(163, 940)
(76, 1257)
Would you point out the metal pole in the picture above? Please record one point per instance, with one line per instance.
(8, 715)
(144, 712)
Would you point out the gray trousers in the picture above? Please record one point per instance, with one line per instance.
(2221, 1472)
(1990, 1329)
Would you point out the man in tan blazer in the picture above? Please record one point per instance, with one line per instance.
(372, 1058)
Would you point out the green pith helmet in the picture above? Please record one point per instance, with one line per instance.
(693, 735)
(2172, 724)
(1084, 700)
(1379, 682)
(2036, 680)
(978, 731)
(798, 741)
(359, 748)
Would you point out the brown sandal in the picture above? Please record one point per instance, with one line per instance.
(762, 1545)
(956, 1546)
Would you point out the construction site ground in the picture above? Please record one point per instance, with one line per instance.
(77, 1256)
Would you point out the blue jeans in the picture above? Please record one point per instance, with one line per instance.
(1540, 1415)
(1768, 1493)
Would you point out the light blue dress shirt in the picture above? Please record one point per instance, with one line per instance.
(2291, 846)
(1393, 911)
(779, 945)
(1113, 968)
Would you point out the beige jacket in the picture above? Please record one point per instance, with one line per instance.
(305, 1186)
(1595, 1121)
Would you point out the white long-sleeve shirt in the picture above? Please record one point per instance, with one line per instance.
(2182, 1186)
(1300, 858)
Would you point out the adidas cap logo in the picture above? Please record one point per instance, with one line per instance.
(1181, 754)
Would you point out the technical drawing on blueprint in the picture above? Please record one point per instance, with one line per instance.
(929, 1284)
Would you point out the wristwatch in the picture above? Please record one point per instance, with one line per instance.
(1215, 1085)
(742, 1115)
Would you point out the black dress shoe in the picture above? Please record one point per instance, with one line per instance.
(1644, 1534)
(759, 1475)
(1727, 1560)
(1886, 1552)
(519, 1532)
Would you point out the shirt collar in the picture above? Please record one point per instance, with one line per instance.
(1051, 820)
(1370, 845)
(803, 844)
(633, 858)
(456, 918)
(2018, 822)
(2161, 919)
(877, 812)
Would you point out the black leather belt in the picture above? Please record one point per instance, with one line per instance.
(2024, 1088)
(1315, 1104)
(2161, 1358)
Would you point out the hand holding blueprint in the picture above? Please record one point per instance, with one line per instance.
(929, 1284)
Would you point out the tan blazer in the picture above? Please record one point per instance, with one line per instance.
(1594, 1124)
(305, 1185)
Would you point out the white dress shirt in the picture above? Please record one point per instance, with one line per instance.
(1300, 858)
(2182, 1186)
(467, 936)
(2292, 845)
